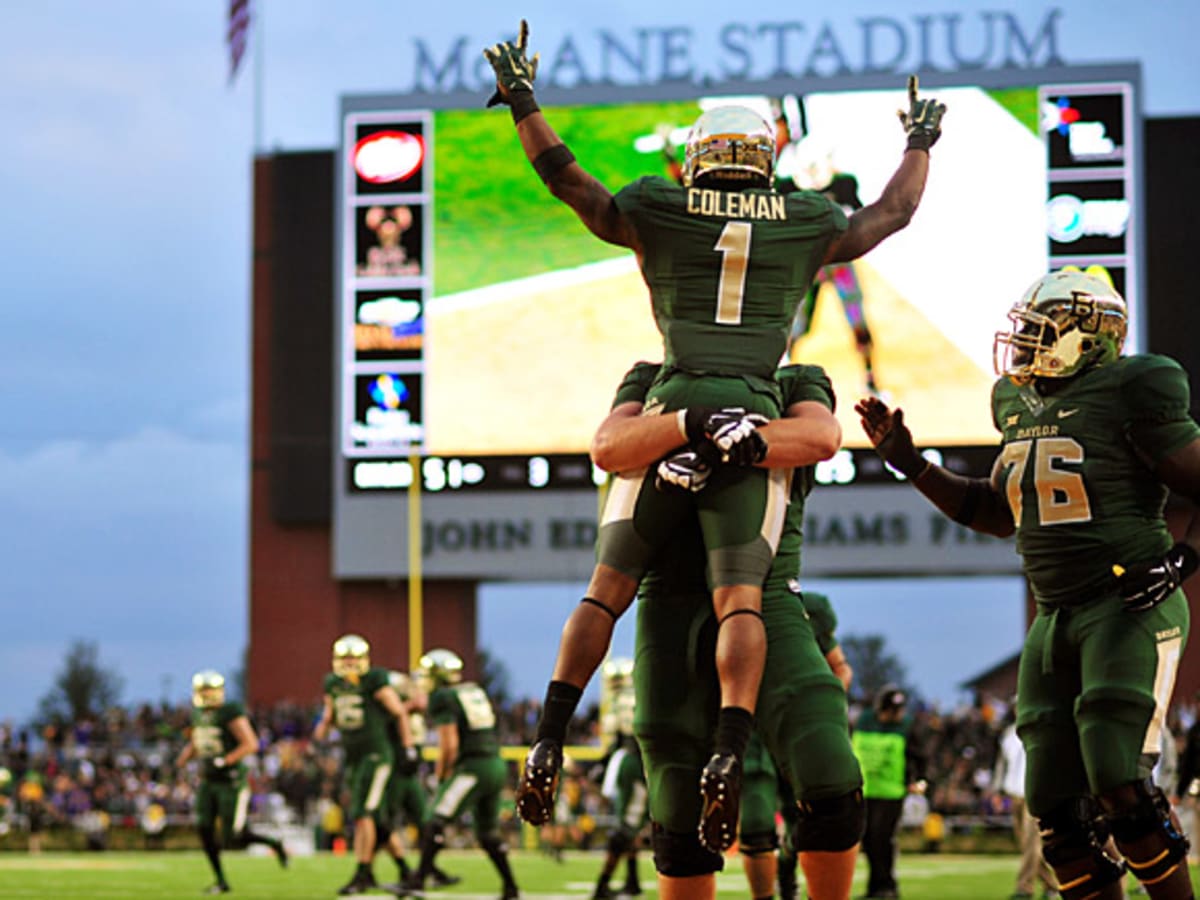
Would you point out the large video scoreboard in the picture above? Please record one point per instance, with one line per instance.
(482, 330)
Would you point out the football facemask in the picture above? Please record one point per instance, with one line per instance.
(441, 667)
(1066, 321)
(351, 656)
(208, 689)
(730, 144)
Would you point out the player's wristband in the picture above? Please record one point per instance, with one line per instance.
(521, 104)
(921, 140)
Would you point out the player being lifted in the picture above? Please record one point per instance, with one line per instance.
(1091, 442)
(220, 737)
(726, 260)
(361, 703)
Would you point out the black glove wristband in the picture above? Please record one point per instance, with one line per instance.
(694, 418)
(521, 104)
(1185, 560)
(921, 140)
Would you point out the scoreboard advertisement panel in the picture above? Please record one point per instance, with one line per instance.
(482, 330)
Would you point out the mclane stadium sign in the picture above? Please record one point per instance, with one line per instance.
(746, 51)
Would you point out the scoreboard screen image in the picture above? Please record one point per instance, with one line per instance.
(479, 319)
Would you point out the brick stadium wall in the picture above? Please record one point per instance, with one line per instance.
(296, 608)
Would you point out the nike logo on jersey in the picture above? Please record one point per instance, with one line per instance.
(1064, 413)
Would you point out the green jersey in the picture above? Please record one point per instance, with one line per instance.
(823, 619)
(727, 269)
(212, 737)
(1076, 466)
(361, 720)
(468, 708)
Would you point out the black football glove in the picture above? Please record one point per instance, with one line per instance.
(733, 431)
(923, 121)
(1145, 585)
(409, 761)
(890, 436)
(514, 70)
(687, 471)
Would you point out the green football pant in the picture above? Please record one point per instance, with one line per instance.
(474, 786)
(801, 705)
(760, 790)
(405, 798)
(741, 510)
(227, 801)
(366, 779)
(1092, 694)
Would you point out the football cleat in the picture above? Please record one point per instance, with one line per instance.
(208, 689)
(219, 888)
(539, 781)
(721, 792)
(443, 879)
(1066, 322)
(351, 656)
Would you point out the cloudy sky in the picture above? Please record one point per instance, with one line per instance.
(124, 350)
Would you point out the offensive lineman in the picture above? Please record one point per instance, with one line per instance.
(1091, 442)
(363, 706)
(727, 260)
(220, 737)
(803, 717)
(469, 771)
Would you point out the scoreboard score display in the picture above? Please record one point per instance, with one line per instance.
(482, 330)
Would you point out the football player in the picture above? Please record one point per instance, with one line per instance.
(361, 703)
(624, 785)
(220, 737)
(802, 706)
(1091, 442)
(726, 260)
(470, 774)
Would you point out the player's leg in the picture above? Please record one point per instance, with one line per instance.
(1056, 785)
(803, 718)
(757, 837)
(620, 842)
(484, 801)
(635, 520)
(207, 804)
(239, 833)
(448, 805)
(789, 812)
(1127, 666)
(741, 518)
(677, 697)
(845, 281)
(368, 778)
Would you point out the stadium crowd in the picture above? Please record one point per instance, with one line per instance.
(121, 765)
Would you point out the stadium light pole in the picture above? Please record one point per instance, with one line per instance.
(416, 613)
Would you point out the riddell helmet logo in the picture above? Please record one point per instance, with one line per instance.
(388, 156)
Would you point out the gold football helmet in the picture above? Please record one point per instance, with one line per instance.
(1066, 321)
(730, 144)
(618, 674)
(208, 689)
(441, 667)
(351, 656)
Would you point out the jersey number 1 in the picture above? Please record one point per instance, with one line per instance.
(734, 246)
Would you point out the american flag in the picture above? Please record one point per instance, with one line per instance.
(239, 29)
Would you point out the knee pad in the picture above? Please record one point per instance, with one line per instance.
(830, 825)
(682, 855)
(1145, 831)
(1073, 847)
(758, 843)
(620, 842)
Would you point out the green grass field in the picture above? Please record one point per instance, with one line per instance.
(167, 875)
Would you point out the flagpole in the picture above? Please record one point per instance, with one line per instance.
(257, 29)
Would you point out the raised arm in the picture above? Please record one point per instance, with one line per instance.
(974, 502)
(896, 205)
(554, 163)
